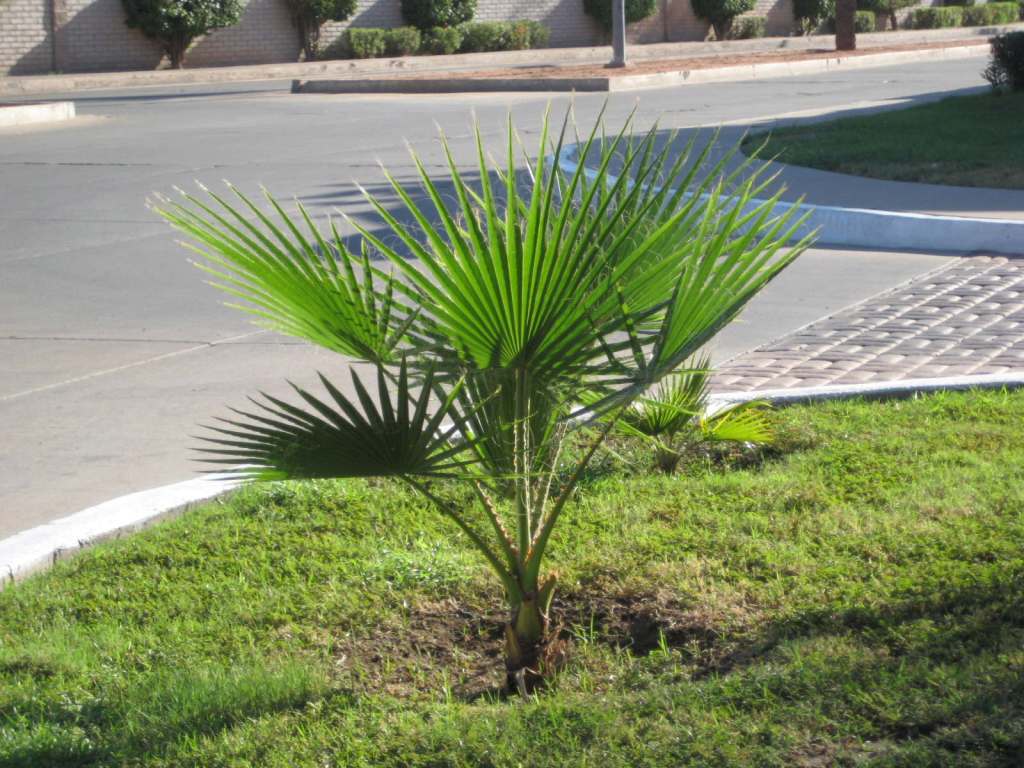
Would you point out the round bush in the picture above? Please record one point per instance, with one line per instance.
(403, 41)
(636, 10)
(720, 13)
(442, 40)
(426, 14)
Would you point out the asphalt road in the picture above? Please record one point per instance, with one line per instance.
(112, 348)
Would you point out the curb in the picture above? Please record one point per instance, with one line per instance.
(27, 85)
(756, 71)
(39, 548)
(886, 230)
(31, 114)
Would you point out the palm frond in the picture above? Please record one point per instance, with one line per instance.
(747, 422)
(303, 284)
(396, 434)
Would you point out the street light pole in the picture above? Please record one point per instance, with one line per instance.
(618, 34)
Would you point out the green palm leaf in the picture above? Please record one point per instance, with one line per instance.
(397, 434)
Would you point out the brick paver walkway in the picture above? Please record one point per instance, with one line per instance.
(967, 318)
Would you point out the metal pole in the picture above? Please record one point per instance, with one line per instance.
(618, 34)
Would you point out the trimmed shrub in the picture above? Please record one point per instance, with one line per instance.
(937, 18)
(483, 36)
(539, 34)
(1003, 13)
(1006, 68)
(309, 16)
(402, 41)
(427, 14)
(479, 36)
(442, 40)
(601, 10)
(747, 27)
(887, 9)
(811, 14)
(720, 13)
(365, 42)
(174, 24)
(864, 21)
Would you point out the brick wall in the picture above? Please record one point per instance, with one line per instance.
(93, 35)
(26, 46)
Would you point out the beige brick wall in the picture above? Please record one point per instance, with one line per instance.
(25, 44)
(95, 36)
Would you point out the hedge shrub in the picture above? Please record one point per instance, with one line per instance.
(991, 14)
(937, 18)
(1006, 68)
(811, 14)
(402, 41)
(365, 42)
(601, 10)
(747, 27)
(427, 14)
(480, 36)
(442, 40)
(720, 13)
(864, 21)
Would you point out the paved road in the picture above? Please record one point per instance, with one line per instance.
(111, 346)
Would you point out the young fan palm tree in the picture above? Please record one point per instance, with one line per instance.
(511, 309)
(674, 417)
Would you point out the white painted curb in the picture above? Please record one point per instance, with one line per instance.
(29, 114)
(889, 230)
(38, 548)
(883, 389)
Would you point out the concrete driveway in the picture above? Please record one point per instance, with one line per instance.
(112, 349)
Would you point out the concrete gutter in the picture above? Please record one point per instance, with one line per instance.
(39, 548)
(886, 230)
(547, 57)
(28, 114)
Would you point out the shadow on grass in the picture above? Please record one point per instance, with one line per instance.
(158, 710)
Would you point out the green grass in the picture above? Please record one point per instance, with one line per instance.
(970, 141)
(855, 600)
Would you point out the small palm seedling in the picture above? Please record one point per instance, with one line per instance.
(511, 302)
(675, 418)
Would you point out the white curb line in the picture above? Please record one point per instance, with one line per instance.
(888, 230)
(29, 114)
(39, 548)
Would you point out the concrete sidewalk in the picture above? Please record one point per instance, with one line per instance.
(27, 86)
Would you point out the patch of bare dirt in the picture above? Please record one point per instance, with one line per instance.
(443, 646)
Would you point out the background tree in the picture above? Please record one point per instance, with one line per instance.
(176, 23)
(525, 300)
(427, 14)
(601, 11)
(889, 8)
(720, 13)
(309, 16)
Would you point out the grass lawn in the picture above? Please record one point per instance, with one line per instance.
(970, 141)
(856, 599)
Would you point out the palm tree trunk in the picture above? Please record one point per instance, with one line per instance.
(846, 32)
(526, 640)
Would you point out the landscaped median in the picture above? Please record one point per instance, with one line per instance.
(646, 74)
(851, 597)
(971, 141)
